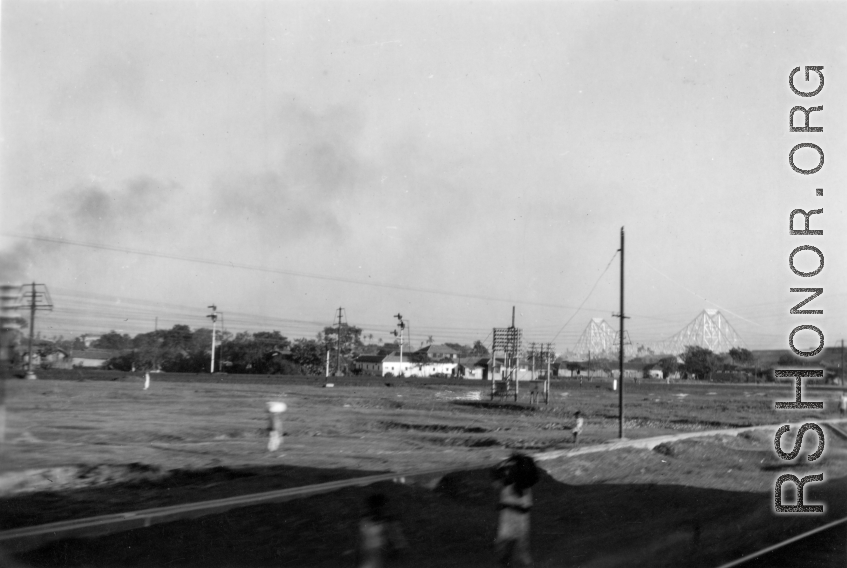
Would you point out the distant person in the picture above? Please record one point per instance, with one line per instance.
(842, 405)
(579, 422)
(515, 476)
(380, 537)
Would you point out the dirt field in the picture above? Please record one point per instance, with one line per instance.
(84, 447)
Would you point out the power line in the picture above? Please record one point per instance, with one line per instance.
(273, 270)
(587, 296)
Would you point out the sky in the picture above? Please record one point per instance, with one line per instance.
(442, 160)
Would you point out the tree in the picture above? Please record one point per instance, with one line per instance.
(478, 349)
(606, 365)
(741, 356)
(273, 339)
(309, 354)
(147, 350)
(351, 338)
(699, 361)
(789, 359)
(113, 340)
(257, 353)
(462, 350)
(178, 337)
(668, 365)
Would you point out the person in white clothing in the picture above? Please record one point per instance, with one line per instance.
(380, 536)
(515, 475)
(577, 429)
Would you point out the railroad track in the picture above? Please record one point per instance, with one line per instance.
(29, 538)
(822, 547)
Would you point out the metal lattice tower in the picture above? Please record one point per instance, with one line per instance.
(599, 338)
(710, 329)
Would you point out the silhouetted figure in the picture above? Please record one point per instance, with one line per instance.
(578, 425)
(515, 476)
(380, 537)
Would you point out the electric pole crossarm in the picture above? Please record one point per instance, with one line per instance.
(39, 299)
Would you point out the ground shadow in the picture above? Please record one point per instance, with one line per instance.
(455, 524)
(148, 487)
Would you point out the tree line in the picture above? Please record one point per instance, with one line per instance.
(183, 350)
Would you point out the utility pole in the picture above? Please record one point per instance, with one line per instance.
(549, 361)
(223, 335)
(515, 354)
(401, 325)
(532, 354)
(842, 367)
(620, 360)
(338, 344)
(29, 373)
(214, 316)
(156, 339)
(39, 299)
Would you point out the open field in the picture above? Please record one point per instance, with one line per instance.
(87, 447)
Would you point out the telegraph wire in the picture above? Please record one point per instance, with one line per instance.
(586, 297)
(229, 264)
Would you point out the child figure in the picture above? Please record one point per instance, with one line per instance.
(515, 475)
(380, 537)
(577, 429)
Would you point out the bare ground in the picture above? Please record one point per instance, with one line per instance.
(80, 448)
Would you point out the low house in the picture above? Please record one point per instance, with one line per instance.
(369, 364)
(629, 372)
(56, 358)
(433, 369)
(396, 365)
(473, 368)
(93, 358)
(411, 365)
(652, 371)
(438, 353)
(88, 340)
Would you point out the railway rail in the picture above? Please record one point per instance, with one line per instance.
(29, 538)
(806, 549)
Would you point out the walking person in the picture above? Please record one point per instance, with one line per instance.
(515, 476)
(380, 537)
(842, 405)
(579, 423)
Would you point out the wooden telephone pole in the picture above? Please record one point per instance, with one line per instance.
(620, 359)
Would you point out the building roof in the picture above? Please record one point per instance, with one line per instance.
(395, 358)
(370, 358)
(98, 354)
(475, 361)
(437, 349)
